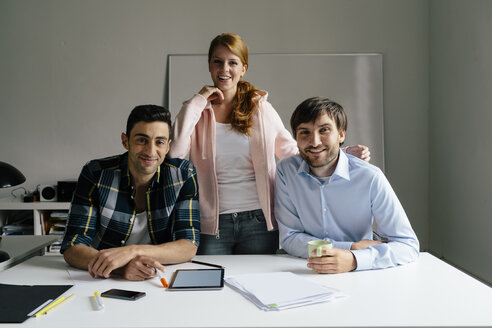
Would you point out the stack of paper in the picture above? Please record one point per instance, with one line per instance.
(275, 291)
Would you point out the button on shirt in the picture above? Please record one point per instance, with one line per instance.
(102, 213)
(341, 209)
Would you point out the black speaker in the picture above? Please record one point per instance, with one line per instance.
(66, 189)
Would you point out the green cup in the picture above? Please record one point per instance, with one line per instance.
(316, 247)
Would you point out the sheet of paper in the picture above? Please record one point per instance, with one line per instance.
(80, 276)
(281, 290)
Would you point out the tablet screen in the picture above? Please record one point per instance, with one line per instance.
(197, 279)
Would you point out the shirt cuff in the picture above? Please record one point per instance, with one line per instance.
(199, 99)
(363, 258)
(342, 244)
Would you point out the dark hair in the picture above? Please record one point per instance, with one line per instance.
(148, 113)
(310, 109)
(247, 95)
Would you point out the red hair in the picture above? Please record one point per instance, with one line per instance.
(247, 96)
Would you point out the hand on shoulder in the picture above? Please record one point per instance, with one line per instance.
(359, 151)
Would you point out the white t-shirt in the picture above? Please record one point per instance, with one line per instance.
(324, 180)
(140, 232)
(235, 172)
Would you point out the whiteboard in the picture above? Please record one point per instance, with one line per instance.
(355, 81)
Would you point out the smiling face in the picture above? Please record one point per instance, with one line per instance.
(147, 147)
(319, 143)
(226, 69)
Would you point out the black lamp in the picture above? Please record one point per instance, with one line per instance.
(9, 177)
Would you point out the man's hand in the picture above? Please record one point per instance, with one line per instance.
(359, 151)
(107, 260)
(364, 243)
(334, 260)
(140, 268)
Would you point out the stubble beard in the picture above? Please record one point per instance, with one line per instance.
(331, 158)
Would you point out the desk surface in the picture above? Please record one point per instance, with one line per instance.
(21, 248)
(426, 293)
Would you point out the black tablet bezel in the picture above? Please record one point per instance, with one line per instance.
(176, 273)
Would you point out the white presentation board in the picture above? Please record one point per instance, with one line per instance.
(353, 80)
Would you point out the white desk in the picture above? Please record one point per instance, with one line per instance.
(427, 293)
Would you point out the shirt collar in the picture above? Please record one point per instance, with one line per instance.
(304, 168)
(126, 176)
(342, 169)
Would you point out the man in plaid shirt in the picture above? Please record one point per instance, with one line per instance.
(134, 211)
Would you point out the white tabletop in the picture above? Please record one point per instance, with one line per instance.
(426, 293)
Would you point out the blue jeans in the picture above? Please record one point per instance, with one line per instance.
(240, 233)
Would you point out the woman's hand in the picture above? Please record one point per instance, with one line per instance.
(212, 94)
(360, 151)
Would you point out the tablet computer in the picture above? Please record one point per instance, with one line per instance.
(197, 279)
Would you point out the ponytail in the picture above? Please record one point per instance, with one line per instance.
(245, 106)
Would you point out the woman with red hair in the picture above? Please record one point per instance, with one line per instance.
(232, 135)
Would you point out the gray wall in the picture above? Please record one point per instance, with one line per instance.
(460, 140)
(72, 70)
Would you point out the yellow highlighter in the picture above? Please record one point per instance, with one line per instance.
(49, 306)
(55, 305)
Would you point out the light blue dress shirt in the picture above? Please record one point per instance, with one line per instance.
(341, 209)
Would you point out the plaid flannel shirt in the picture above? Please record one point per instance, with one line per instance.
(103, 210)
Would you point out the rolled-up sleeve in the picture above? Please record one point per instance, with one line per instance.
(83, 214)
(187, 210)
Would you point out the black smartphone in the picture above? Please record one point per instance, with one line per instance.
(123, 294)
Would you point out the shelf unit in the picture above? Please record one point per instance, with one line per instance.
(37, 208)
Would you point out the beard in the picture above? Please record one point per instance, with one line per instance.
(320, 161)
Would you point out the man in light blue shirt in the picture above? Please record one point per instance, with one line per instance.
(325, 194)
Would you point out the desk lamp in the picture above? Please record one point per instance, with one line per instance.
(9, 177)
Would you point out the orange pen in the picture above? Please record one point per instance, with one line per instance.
(161, 278)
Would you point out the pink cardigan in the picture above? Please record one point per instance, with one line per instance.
(194, 132)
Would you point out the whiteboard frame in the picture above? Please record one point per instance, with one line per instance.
(353, 80)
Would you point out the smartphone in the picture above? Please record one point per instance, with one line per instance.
(123, 294)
